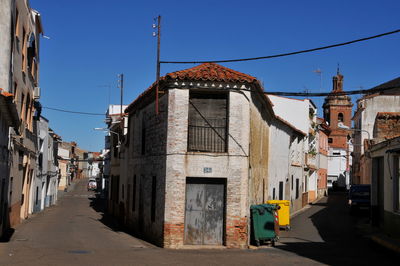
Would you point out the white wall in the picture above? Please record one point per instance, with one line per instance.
(371, 106)
(295, 111)
(336, 164)
(278, 159)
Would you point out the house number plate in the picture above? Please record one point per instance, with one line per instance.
(207, 170)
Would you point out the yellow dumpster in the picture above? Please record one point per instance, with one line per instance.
(283, 212)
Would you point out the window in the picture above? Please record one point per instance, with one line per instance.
(31, 53)
(330, 140)
(273, 193)
(281, 190)
(207, 123)
(23, 50)
(143, 137)
(297, 188)
(37, 196)
(292, 182)
(134, 194)
(340, 117)
(153, 199)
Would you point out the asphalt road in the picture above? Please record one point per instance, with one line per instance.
(75, 232)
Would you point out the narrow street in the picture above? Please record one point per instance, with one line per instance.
(75, 232)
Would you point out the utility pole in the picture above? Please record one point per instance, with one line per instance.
(121, 86)
(158, 34)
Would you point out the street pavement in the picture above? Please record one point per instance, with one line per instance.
(76, 232)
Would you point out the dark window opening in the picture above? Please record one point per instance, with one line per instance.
(280, 190)
(273, 193)
(134, 194)
(330, 140)
(153, 199)
(143, 137)
(340, 117)
(208, 125)
(297, 188)
(37, 196)
(292, 182)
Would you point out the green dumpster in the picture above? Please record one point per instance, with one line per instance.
(265, 223)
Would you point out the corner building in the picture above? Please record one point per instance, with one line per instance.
(193, 170)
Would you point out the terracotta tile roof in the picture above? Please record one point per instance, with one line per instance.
(387, 114)
(387, 125)
(203, 72)
(211, 72)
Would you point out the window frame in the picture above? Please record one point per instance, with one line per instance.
(226, 95)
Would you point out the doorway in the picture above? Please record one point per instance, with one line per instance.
(205, 211)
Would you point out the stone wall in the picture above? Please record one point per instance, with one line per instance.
(138, 171)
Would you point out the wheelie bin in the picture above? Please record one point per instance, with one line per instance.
(265, 223)
(284, 212)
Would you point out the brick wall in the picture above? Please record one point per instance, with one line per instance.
(387, 125)
(144, 168)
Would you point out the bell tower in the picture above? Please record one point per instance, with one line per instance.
(337, 110)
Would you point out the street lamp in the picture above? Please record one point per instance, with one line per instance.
(340, 125)
(110, 131)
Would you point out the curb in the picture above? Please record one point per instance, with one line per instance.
(380, 240)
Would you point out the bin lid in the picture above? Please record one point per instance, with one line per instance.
(264, 207)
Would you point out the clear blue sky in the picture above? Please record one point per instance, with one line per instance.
(92, 41)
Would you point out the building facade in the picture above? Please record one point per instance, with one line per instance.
(303, 150)
(25, 36)
(195, 168)
(385, 186)
(8, 111)
(364, 118)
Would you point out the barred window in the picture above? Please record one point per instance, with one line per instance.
(208, 126)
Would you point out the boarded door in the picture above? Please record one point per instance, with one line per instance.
(204, 212)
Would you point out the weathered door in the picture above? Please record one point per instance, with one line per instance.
(204, 213)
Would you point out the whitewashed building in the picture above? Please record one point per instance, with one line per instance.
(364, 118)
(300, 114)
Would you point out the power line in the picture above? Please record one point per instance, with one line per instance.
(321, 94)
(73, 112)
(284, 54)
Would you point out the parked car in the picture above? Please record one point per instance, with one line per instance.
(359, 197)
(92, 185)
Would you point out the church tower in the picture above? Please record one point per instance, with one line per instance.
(337, 109)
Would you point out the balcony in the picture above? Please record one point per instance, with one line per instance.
(311, 161)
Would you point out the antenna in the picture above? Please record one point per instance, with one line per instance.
(318, 71)
(157, 25)
(121, 86)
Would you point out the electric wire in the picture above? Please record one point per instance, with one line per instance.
(277, 93)
(283, 54)
(69, 111)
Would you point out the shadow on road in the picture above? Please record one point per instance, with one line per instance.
(342, 244)
(99, 205)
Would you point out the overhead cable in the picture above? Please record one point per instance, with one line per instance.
(321, 94)
(73, 112)
(283, 54)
